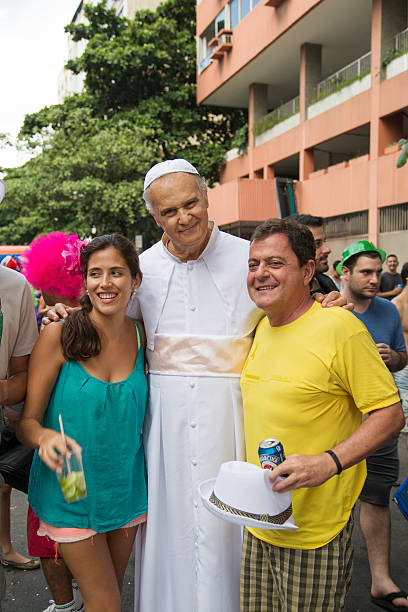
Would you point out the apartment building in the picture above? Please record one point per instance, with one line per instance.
(70, 83)
(325, 84)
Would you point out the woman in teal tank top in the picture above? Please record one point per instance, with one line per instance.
(90, 370)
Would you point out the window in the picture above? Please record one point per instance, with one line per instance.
(350, 224)
(204, 51)
(220, 22)
(228, 18)
(234, 13)
(245, 8)
(393, 218)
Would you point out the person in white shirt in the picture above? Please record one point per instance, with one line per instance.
(199, 322)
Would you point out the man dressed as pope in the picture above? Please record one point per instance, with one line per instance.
(199, 322)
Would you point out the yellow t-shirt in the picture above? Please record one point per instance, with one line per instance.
(308, 383)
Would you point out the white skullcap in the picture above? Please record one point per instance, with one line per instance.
(168, 167)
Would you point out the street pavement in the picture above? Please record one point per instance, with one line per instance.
(27, 590)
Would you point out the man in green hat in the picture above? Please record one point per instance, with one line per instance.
(361, 267)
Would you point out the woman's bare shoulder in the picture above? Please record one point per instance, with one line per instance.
(50, 340)
(52, 332)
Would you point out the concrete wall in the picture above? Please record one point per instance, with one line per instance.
(244, 199)
(337, 190)
(395, 242)
(338, 245)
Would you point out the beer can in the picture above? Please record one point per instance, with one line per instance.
(271, 453)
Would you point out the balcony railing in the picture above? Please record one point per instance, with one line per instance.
(347, 75)
(279, 114)
(401, 41)
(400, 48)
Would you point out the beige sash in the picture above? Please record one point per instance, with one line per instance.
(198, 355)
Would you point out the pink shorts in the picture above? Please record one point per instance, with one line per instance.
(76, 534)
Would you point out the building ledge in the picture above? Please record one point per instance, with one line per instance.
(339, 97)
(273, 3)
(279, 128)
(396, 66)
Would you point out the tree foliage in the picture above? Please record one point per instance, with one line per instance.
(138, 107)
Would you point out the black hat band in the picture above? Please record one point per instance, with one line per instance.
(277, 519)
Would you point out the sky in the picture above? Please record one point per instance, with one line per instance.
(33, 50)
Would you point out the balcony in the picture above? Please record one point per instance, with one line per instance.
(401, 41)
(343, 188)
(395, 60)
(242, 200)
(347, 75)
(347, 82)
(221, 44)
(278, 121)
(340, 189)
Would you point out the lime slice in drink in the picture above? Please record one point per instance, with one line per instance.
(73, 486)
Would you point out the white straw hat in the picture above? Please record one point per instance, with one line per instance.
(242, 493)
(168, 167)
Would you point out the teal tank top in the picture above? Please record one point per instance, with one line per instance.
(106, 419)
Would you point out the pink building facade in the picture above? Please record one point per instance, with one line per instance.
(325, 84)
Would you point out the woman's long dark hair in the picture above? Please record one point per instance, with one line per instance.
(80, 339)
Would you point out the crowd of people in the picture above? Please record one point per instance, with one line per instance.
(163, 368)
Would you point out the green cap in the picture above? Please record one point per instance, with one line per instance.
(356, 248)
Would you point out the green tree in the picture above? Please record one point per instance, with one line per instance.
(138, 107)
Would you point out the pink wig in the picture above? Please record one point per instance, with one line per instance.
(52, 264)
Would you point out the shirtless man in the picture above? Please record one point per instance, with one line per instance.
(401, 377)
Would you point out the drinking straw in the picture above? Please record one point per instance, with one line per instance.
(64, 441)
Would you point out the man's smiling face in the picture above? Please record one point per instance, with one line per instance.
(180, 208)
(392, 263)
(276, 282)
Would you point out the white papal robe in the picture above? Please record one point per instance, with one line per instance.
(199, 322)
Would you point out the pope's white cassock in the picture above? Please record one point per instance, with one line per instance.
(199, 322)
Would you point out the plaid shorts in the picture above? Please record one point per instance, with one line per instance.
(276, 579)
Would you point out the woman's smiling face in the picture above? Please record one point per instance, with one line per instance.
(109, 281)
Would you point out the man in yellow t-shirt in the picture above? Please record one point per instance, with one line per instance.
(311, 374)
